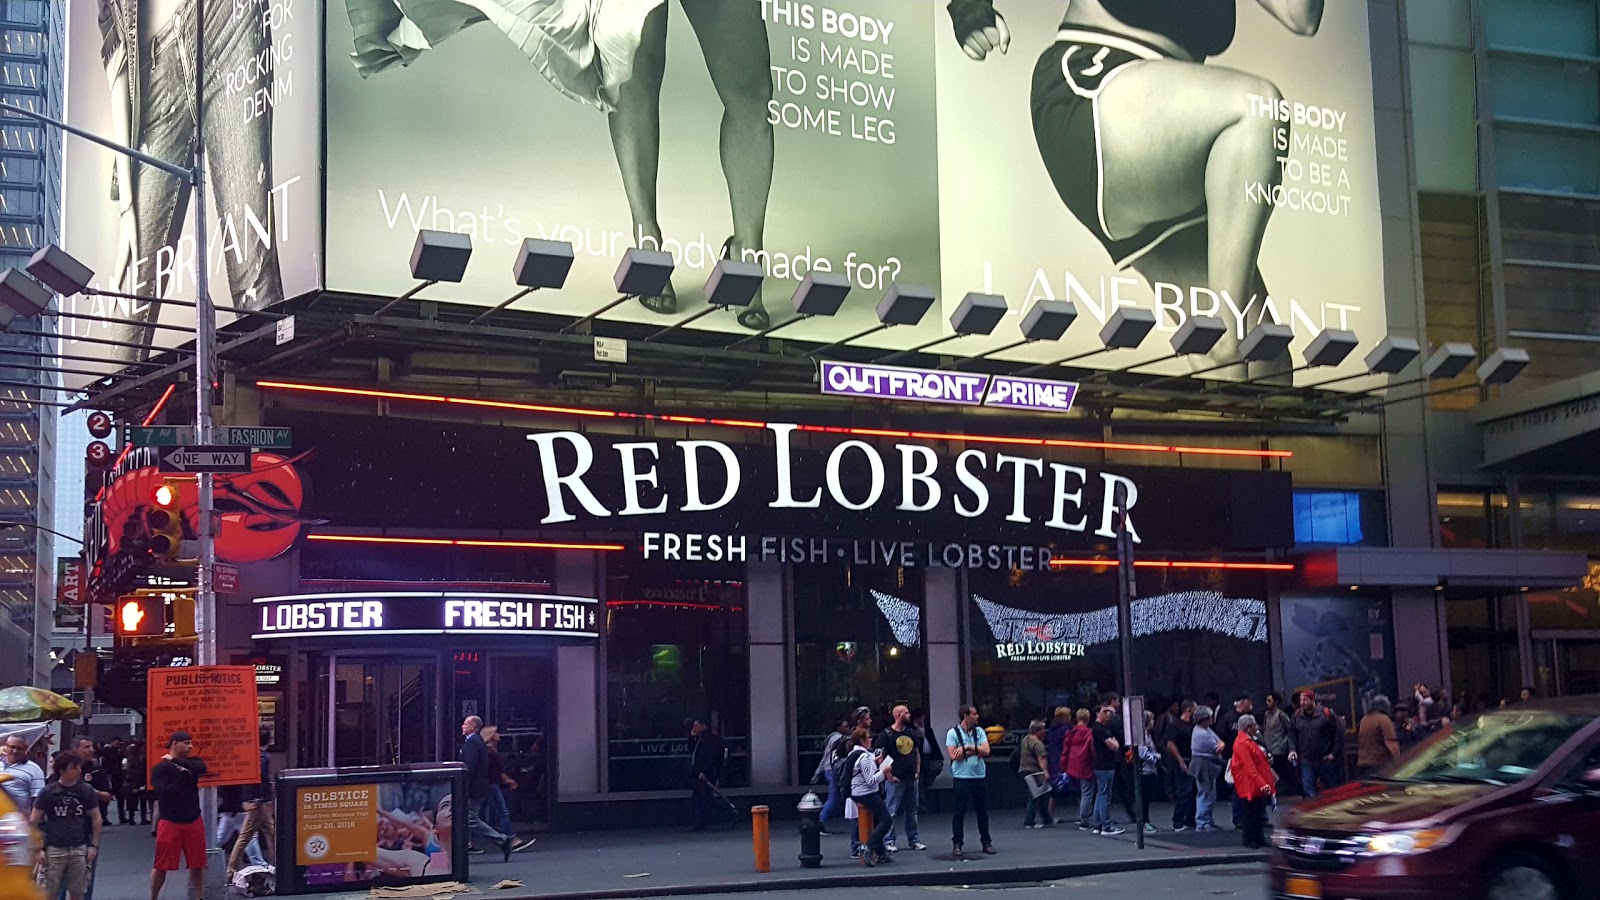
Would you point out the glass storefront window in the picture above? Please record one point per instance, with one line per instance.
(1574, 607)
(858, 642)
(1560, 521)
(1473, 519)
(676, 648)
(1484, 664)
(1043, 640)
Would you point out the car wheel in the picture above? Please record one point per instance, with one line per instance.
(1523, 876)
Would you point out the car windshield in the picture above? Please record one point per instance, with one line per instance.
(1500, 747)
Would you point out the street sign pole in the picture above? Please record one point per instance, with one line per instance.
(1126, 587)
(205, 347)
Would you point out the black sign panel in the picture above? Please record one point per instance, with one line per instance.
(424, 613)
(780, 482)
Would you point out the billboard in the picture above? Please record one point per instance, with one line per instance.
(131, 78)
(1209, 157)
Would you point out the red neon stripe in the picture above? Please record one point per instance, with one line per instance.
(460, 542)
(746, 423)
(151, 417)
(672, 604)
(1179, 564)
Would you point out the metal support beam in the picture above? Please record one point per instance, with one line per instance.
(167, 371)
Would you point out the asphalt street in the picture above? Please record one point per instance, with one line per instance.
(1206, 881)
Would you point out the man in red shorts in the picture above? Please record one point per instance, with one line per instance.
(180, 832)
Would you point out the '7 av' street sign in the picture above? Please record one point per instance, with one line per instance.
(260, 437)
(161, 436)
(204, 459)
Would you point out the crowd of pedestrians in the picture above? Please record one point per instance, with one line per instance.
(1218, 764)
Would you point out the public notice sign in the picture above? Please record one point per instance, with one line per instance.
(336, 824)
(217, 706)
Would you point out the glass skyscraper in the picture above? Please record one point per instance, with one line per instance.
(31, 69)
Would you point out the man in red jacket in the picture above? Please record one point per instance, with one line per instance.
(1253, 781)
(1077, 760)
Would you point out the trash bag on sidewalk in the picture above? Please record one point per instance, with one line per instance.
(254, 881)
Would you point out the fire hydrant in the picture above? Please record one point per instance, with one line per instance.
(810, 809)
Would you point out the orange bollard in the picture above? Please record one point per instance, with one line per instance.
(864, 824)
(761, 836)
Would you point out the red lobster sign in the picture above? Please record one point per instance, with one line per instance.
(260, 510)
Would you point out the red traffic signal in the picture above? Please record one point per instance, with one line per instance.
(164, 495)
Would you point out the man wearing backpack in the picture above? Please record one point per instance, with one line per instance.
(1318, 744)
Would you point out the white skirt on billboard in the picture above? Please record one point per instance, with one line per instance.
(586, 48)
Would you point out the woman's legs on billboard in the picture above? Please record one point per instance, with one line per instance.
(1176, 136)
(636, 140)
(239, 163)
(733, 40)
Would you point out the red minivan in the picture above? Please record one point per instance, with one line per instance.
(1502, 805)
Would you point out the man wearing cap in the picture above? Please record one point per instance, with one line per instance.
(179, 830)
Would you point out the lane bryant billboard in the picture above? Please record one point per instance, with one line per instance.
(1191, 156)
(131, 78)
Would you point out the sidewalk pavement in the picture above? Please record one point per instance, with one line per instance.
(601, 865)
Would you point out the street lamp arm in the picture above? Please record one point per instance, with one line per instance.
(67, 537)
(186, 174)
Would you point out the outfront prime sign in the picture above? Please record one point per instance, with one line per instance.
(938, 386)
(414, 612)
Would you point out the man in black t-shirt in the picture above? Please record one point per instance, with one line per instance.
(180, 832)
(1107, 757)
(68, 815)
(901, 742)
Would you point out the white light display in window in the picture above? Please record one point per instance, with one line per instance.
(904, 619)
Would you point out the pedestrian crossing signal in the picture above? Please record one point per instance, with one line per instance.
(141, 616)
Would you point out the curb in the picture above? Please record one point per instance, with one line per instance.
(892, 877)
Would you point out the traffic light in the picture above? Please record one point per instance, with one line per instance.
(141, 616)
(164, 522)
(183, 616)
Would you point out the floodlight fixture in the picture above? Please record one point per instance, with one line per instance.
(59, 270)
(819, 294)
(1267, 341)
(440, 256)
(1125, 329)
(1503, 365)
(539, 264)
(902, 304)
(978, 314)
(1392, 355)
(644, 273)
(1046, 320)
(733, 282)
(1330, 347)
(21, 294)
(1448, 361)
(542, 264)
(1198, 335)
(435, 256)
